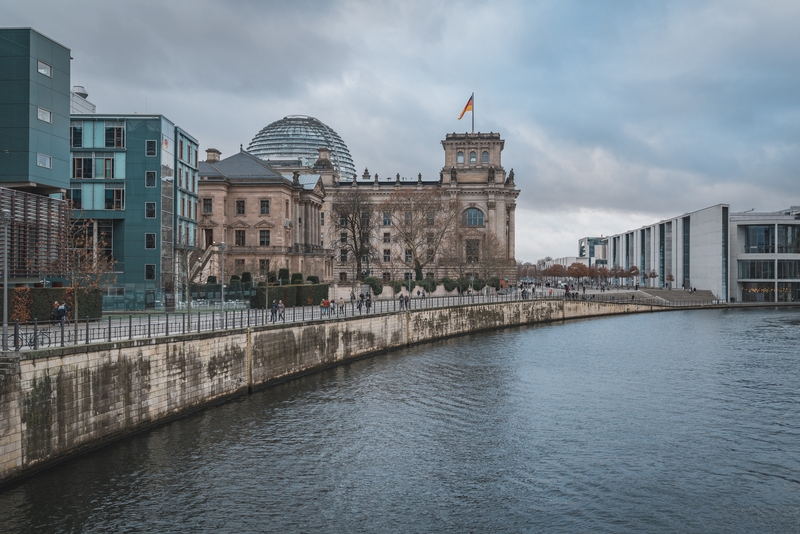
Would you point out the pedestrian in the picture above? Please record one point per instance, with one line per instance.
(423, 293)
(281, 311)
(62, 312)
(402, 300)
(352, 298)
(369, 303)
(341, 305)
(273, 311)
(417, 293)
(406, 299)
(360, 303)
(54, 312)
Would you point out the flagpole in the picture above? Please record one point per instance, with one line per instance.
(473, 112)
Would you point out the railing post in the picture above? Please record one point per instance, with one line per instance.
(166, 325)
(16, 335)
(87, 329)
(198, 321)
(130, 326)
(213, 320)
(62, 333)
(149, 323)
(35, 332)
(109, 329)
(183, 328)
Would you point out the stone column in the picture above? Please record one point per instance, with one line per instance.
(512, 208)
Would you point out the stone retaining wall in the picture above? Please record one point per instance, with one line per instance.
(60, 402)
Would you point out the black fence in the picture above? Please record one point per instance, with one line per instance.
(37, 335)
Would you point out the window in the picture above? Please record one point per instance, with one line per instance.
(183, 207)
(150, 148)
(343, 277)
(409, 256)
(343, 237)
(81, 165)
(76, 134)
(429, 239)
(431, 218)
(484, 157)
(239, 240)
(343, 221)
(263, 238)
(75, 195)
(387, 277)
(759, 239)
(43, 160)
(473, 250)
(387, 237)
(322, 218)
(429, 254)
(115, 199)
(408, 276)
(408, 218)
(44, 115)
(364, 217)
(429, 275)
(472, 217)
(343, 256)
(115, 134)
(263, 267)
(387, 219)
(264, 207)
(149, 241)
(149, 271)
(45, 69)
(460, 157)
(207, 205)
(240, 207)
(108, 167)
(387, 255)
(757, 269)
(473, 158)
(150, 179)
(149, 210)
(238, 263)
(788, 239)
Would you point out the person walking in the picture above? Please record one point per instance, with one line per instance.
(281, 311)
(273, 311)
(402, 300)
(54, 312)
(341, 306)
(62, 312)
(368, 303)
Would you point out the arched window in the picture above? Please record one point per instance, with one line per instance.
(472, 217)
(460, 157)
(484, 157)
(473, 158)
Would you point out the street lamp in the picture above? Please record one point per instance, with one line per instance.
(222, 286)
(6, 222)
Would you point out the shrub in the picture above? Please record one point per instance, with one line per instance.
(494, 282)
(283, 274)
(259, 300)
(247, 277)
(397, 285)
(272, 277)
(297, 278)
(311, 294)
(428, 284)
(211, 280)
(449, 283)
(478, 284)
(375, 285)
(313, 279)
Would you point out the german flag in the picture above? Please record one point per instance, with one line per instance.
(468, 107)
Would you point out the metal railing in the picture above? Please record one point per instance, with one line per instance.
(37, 335)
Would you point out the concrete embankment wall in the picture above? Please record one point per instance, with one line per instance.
(60, 402)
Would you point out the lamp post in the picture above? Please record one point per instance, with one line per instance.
(222, 286)
(6, 222)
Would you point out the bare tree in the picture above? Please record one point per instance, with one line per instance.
(91, 265)
(356, 223)
(420, 221)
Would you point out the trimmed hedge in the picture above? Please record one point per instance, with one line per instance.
(283, 274)
(397, 285)
(247, 277)
(493, 281)
(375, 285)
(311, 294)
(449, 283)
(90, 303)
(429, 285)
(297, 278)
(313, 279)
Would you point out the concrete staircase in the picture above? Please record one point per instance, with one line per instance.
(679, 296)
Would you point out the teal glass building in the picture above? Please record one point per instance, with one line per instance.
(134, 183)
(34, 112)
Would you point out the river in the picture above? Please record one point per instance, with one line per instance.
(681, 421)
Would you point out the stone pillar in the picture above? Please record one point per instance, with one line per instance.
(512, 208)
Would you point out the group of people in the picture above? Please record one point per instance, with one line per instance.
(277, 311)
(60, 313)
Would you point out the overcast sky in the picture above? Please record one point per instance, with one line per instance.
(615, 113)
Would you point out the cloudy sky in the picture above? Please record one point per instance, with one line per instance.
(615, 113)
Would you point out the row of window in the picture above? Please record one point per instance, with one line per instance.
(766, 269)
(240, 238)
(240, 205)
(470, 217)
(473, 157)
(762, 239)
(387, 276)
(472, 252)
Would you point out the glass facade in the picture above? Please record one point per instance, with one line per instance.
(757, 269)
(788, 269)
(788, 239)
(686, 247)
(759, 239)
(758, 292)
(298, 137)
(788, 292)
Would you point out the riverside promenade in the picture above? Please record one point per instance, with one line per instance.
(116, 327)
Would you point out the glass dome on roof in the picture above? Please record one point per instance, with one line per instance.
(299, 137)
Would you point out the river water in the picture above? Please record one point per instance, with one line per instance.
(682, 421)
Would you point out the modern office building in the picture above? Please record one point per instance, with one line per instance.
(134, 183)
(594, 250)
(34, 151)
(765, 256)
(686, 251)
